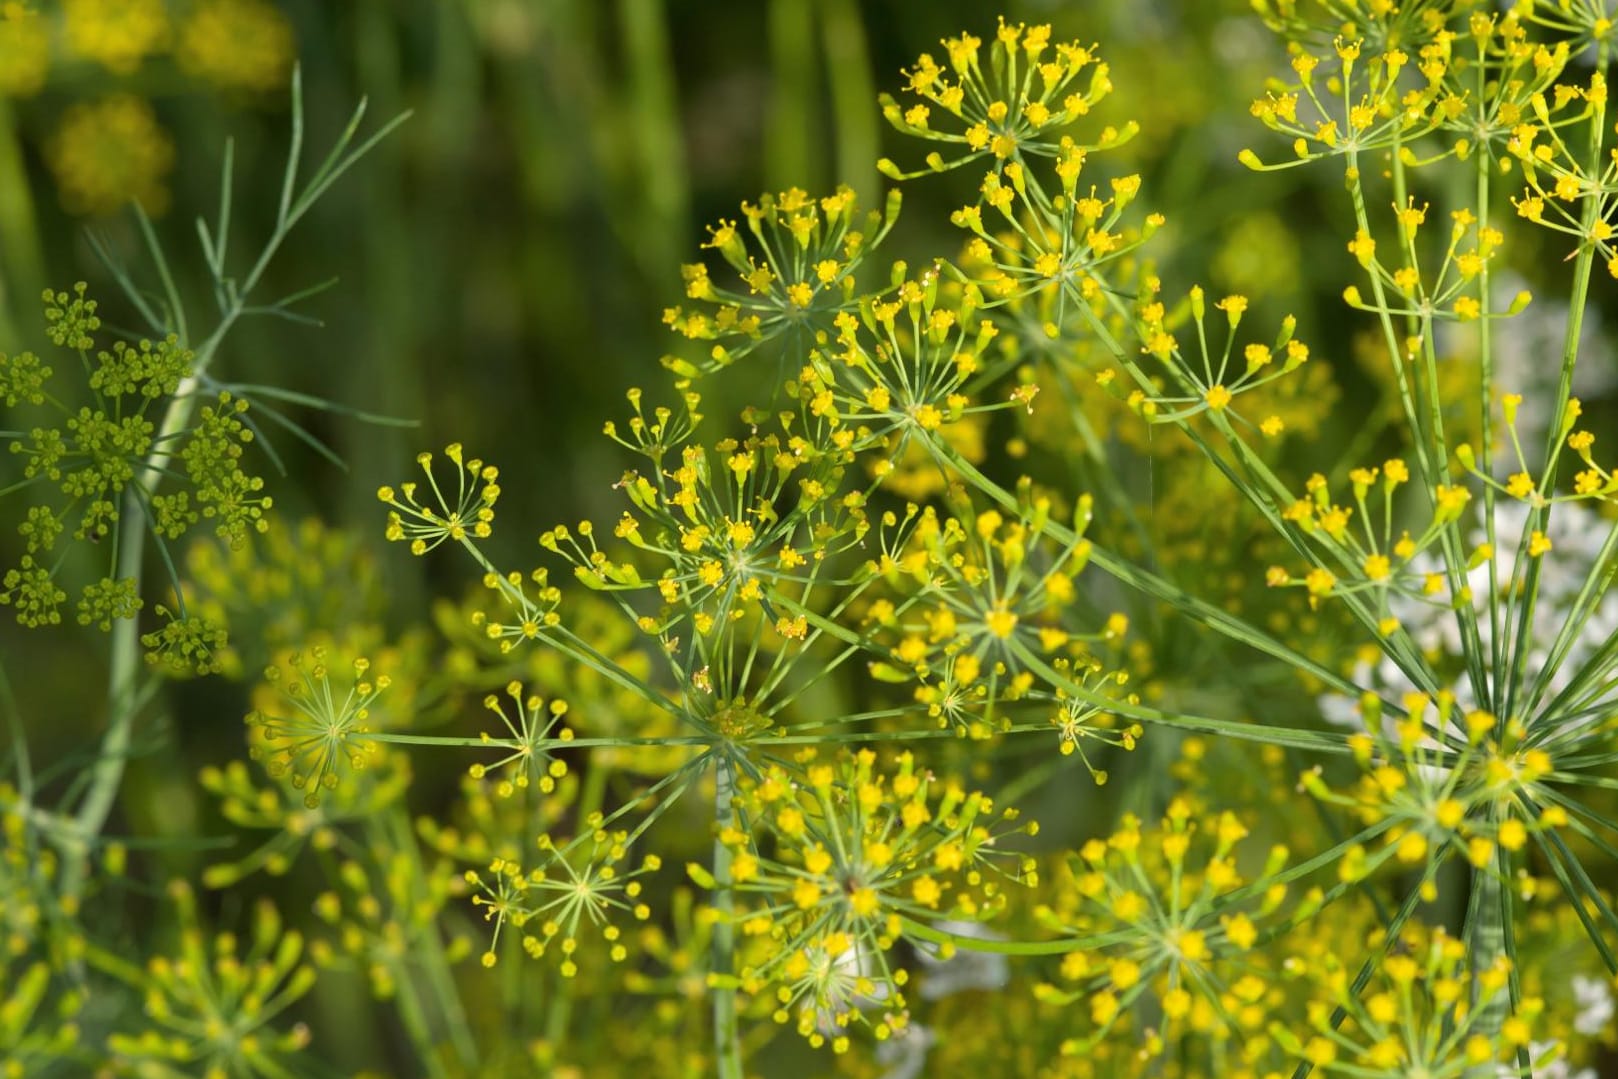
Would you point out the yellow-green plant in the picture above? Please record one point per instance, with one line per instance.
(128, 445)
(1027, 677)
(762, 559)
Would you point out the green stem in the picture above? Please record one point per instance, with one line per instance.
(19, 740)
(727, 1038)
(414, 1018)
(124, 663)
(108, 772)
(123, 703)
(664, 201)
(848, 77)
(21, 263)
(1431, 457)
(431, 957)
(1483, 168)
(792, 141)
(559, 1008)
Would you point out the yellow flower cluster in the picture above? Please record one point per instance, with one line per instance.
(117, 34)
(575, 883)
(109, 153)
(1165, 915)
(238, 45)
(1005, 113)
(1429, 1011)
(25, 54)
(241, 45)
(468, 514)
(798, 274)
(855, 854)
(1440, 784)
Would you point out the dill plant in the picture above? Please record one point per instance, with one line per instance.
(854, 523)
(1295, 762)
(137, 444)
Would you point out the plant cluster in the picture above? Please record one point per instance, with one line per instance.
(1030, 646)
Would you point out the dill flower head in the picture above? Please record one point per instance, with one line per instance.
(210, 1008)
(903, 369)
(82, 464)
(1165, 917)
(118, 34)
(1427, 1011)
(533, 731)
(1442, 784)
(243, 45)
(575, 885)
(791, 281)
(110, 152)
(25, 50)
(457, 513)
(729, 536)
(326, 733)
(853, 853)
(1007, 110)
(995, 590)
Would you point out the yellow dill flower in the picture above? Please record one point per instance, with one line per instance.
(576, 883)
(236, 44)
(1428, 1011)
(995, 590)
(1178, 923)
(117, 34)
(856, 850)
(108, 153)
(25, 53)
(529, 759)
(328, 729)
(468, 515)
(811, 251)
(1009, 106)
(251, 979)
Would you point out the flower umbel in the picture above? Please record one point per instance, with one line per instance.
(467, 514)
(855, 854)
(328, 732)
